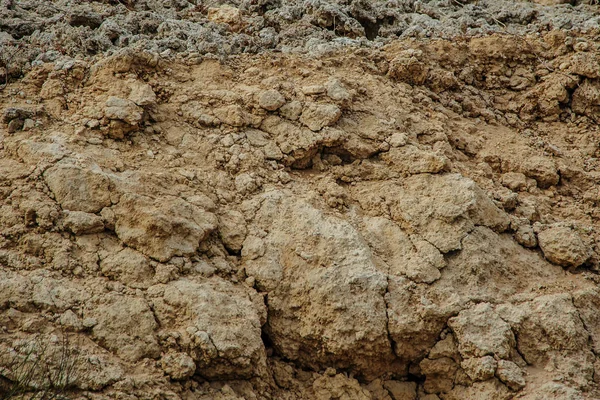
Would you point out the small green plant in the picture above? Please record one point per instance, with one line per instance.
(40, 368)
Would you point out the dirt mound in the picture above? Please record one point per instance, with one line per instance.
(377, 219)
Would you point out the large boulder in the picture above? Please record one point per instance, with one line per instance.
(221, 327)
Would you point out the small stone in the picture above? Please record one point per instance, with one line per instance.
(314, 90)
(336, 91)
(563, 246)
(515, 181)
(142, 94)
(541, 169)
(15, 125)
(28, 124)
(401, 390)
(80, 222)
(178, 365)
(89, 322)
(226, 14)
(525, 236)
(510, 373)
(398, 139)
(291, 110)
(271, 100)
(317, 116)
(479, 369)
(124, 110)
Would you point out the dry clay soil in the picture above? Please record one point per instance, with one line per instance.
(413, 220)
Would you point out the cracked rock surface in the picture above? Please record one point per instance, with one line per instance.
(301, 200)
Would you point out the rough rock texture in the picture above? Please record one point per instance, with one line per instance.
(300, 200)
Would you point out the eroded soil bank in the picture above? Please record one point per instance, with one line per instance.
(408, 218)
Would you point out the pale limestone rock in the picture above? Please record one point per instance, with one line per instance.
(129, 267)
(162, 228)
(542, 169)
(222, 325)
(314, 260)
(587, 302)
(142, 94)
(480, 368)
(81, 223)
(442, 209)
(510, 373)
(414, 320)
(125, 325)
(336, 91)
(444, 348)
(291, 110)
(232, 229)
(525, 236)
(491, 389)
(401, 390)
(563, 246)
(226, 14)
(515, 181)
(413, 160)
(339, 387)
(405, 256)
(178, 365)
(316, 116)
(123, 110)
(550, 328)
(271, 100)
(78, 189)
(481, 332)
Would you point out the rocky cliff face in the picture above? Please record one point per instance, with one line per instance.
(405, 219)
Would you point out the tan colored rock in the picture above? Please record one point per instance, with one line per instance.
(339, 387)
(271, 100)
(125, 325)
(510, 373)
(81, 223)
(410, 159)
(78, 189)
(222, 325)
(142, 94)
(162, 228)
(442, 209)
(491, 389)
(406, 67)
(401, 390)
(312, 261)
(232, 229)
(481, 332)
(178, 365)
(226, 14)
(336, 90)
(291, 110)
(316, 116)
(123, 110)
(414, 258)
(444, 348)
(515, 181)
(563, 246)
(439, 374)
(525, 236)
(129, 267)
(586, 98)
(480, 368)
(542, 169)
